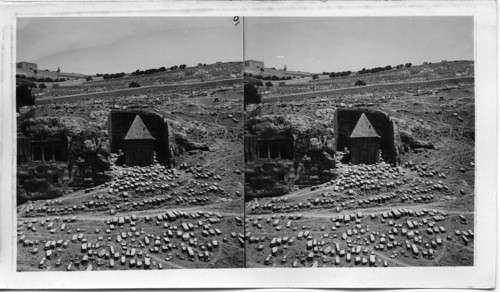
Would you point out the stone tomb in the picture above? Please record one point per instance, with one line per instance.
(120, 121)
(381, 123)
(364, 143)
(139, 144)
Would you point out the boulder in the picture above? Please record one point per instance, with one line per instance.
(414, 143)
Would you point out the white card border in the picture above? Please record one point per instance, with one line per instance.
(481, 275)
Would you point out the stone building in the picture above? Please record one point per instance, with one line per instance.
(254, 64)
(26, 66)
(139, 144)
(364, 143)
(119, 122)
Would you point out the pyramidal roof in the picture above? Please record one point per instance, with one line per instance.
(364, 129)
(138, 131)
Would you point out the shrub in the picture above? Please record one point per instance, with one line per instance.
(360, 83)
(251, 94)
(23, 96)
(134, 84)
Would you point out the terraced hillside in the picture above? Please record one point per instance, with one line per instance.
(418, 73)
(197, 74)
(187, 215)
(417, 212)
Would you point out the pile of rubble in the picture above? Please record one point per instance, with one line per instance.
(353, 239)
(128, 241)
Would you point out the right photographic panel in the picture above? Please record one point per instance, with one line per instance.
(359, 141)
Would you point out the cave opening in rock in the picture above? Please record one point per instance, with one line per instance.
(275, 147)
(49, 150)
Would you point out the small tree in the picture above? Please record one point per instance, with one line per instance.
(251, 94)
(315, 76)
(134, 84)
(360, 83)
(23, 96)
(269, 84)
(42, 86)
(88, 78)
(332, 75)
(408, 65)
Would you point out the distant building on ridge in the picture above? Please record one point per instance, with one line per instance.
(27, 66)
(254, 64)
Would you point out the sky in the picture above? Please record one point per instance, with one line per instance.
(92, 45)
(352, 43)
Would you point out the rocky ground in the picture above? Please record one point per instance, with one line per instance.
(420, 213)
(188, 216)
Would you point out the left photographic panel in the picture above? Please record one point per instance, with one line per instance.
(129, 143)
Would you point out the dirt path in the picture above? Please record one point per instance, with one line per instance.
(151, 213)
(168, 263)
(399, 263)
(220, 159)
(327, 213)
